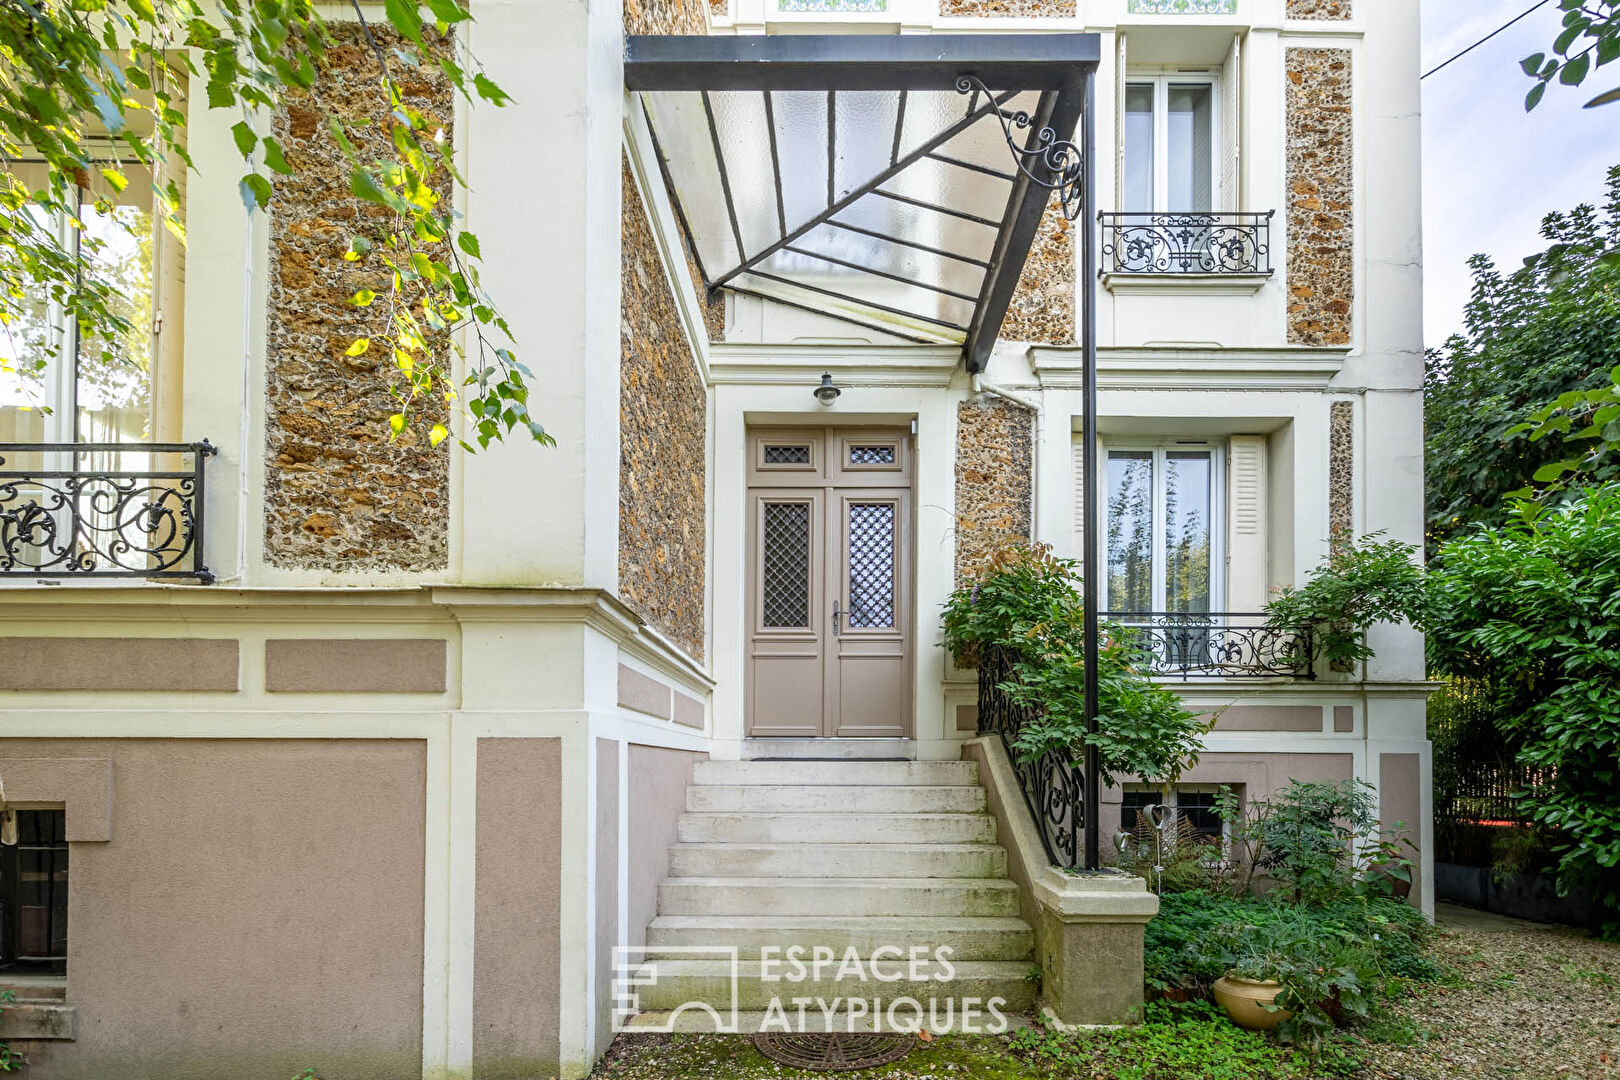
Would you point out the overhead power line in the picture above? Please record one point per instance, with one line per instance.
(1487, 37)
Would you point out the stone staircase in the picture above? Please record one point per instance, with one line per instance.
(838, 855)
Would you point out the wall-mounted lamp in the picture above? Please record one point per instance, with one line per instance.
(827, 393)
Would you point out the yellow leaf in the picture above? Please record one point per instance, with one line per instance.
(438, 434)
(359, 347)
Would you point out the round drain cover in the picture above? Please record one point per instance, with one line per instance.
(834, 1052)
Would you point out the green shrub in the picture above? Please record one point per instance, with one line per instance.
(1530, 613)
(1188, 945)
(1318, 841)
(1026, 604)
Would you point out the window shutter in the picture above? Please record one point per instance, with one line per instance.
(1119, 123)
(1232, 127)
(1247, 560)
(1079, 448)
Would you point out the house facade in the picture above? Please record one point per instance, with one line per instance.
(371, 753)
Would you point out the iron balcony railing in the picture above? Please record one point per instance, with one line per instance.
(1054, 785)
(1218, 644)
(103, 510)
(1213, 244)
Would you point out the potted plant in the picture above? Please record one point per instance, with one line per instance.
(1254, 979)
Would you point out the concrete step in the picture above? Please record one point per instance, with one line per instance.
(981, 938)
(855, 773)
(837, 896)
(826, 798)
(770, 828)
(838, 860)
(830, 749)
(673, 983)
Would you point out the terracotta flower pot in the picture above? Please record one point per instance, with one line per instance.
(1245, 1001)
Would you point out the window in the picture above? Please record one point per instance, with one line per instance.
(69, 386)
(1172, 141)
(1161, 546)
(34, 893)
(1195, 805)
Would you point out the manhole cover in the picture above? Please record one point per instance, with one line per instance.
(834, 1052)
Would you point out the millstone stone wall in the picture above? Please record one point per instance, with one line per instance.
(1327, 10)
(339, 495)
(1007, 7)
(994, 479)
(1341, 471)
(668, 16)
(1321, 185)
(663, 427)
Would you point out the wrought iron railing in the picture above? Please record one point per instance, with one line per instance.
(1190, 243)
(103, 510)
(1054, 785)
(1218, 645)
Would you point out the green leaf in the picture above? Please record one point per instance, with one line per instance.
(405, 17)
(1532, 63)
(115, 178)
(255, 192)
(1533, 98)
(469, 243)
(273, 158)
(488, 90)
(246, 138)
(1574, 71)
(448, 11)
(1608, 97)
(1550, 472)
(396, 424)
(363, 298)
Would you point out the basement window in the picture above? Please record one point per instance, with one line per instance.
(34, 893)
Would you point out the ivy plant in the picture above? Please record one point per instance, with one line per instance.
(1361, 583)
(1025, 602)
(98, 90)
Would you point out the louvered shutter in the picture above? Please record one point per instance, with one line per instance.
(1247, 560)
(1232, 128)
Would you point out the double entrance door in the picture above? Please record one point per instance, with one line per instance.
(829, 583)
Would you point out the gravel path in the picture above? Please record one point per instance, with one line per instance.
(1528, 1003)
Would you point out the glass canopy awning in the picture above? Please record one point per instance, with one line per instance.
(895, 182)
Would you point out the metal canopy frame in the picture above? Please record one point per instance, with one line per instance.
(1059, 68)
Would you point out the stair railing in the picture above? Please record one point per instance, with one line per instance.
(1054, 784)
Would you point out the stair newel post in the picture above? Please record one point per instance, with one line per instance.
(1088, 278)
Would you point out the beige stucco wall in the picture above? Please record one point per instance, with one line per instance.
(258, 909)
(516, 944)
(656, 781)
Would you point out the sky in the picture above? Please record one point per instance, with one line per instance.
(1491, 172)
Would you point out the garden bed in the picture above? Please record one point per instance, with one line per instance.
(1518, 1002)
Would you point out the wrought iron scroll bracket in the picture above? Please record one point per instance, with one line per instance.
(1062, 159)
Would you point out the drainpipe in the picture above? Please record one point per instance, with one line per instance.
(982, 387)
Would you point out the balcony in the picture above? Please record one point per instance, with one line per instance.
(92, 511)
(1217, 645)
(1148, 245)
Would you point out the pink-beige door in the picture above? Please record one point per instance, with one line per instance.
(829, 578)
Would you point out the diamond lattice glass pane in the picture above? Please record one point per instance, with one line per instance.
(871, 565)
(787, 455)
(785, 569)
(871, 455)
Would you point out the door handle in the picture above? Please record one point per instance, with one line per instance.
(836, 615)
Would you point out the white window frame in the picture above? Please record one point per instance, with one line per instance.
(1161, 82)
(1217, 512)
